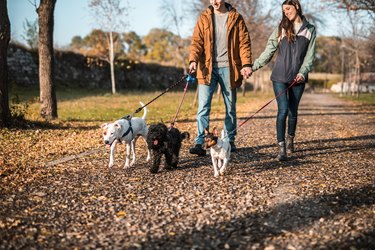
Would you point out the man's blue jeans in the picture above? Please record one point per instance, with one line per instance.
(287, 105)
(205, 93)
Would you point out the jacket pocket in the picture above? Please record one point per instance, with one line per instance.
(204, 69)
(237, 70)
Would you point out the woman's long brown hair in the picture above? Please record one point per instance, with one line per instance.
(286, 24)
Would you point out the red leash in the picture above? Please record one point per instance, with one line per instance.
(189, 79)
(265, 105)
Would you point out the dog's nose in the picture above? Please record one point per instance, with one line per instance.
(106, 142)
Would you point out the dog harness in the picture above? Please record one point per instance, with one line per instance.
(130, 129)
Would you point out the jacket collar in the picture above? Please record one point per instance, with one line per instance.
(304, 23)
(227, 5)
(232, 14)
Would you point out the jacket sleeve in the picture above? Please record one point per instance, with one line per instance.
(197, 42)
(310, 55)
(268, 52)
(244, 44)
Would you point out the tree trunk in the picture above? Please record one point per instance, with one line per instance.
(112, 62)
(4, 42)
(358, 73)
(46, 59)
(342, 70)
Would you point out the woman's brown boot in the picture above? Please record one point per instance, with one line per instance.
(289, 144)
(282, 152)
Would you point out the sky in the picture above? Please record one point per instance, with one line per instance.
(72, 18)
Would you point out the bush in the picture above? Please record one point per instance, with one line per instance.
(18, 109)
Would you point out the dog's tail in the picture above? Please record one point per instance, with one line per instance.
(185, 135)
(144, 111)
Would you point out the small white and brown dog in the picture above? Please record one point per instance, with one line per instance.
(219, 150)
(125, 131)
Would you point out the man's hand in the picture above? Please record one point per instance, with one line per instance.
(192, 67)
(246, 72)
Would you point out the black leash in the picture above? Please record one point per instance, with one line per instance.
(128, 117)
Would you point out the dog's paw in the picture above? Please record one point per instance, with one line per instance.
(169, 167)
(154, 169)
(222, 171)
(110, 164)
(216, 174)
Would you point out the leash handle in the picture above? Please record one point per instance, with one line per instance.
(190, 78)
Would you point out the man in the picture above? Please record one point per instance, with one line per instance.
(220, 53)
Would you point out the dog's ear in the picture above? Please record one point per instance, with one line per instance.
(206, 131)
(103, 125)
(117, 125)
(214, 131)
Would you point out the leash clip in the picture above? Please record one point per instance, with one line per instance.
(127, 117)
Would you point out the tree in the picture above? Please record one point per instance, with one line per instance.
(354, 5)
(96, 44)
(175, 20)
(77, 43)
(159, 43)
(357, 38)
(31, 33)
(46, 59)
(135, 49)
(4, 42)
(108, 13)
(328, 54)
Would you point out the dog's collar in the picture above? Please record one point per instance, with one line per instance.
(130, 129)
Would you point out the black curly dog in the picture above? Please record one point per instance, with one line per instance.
(164, 141)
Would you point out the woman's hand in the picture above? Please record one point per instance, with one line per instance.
(299, 78)
(246, 72)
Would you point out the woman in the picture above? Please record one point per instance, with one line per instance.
(295, 40)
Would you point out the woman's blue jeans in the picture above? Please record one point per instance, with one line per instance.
(287, 106)
(205, 93)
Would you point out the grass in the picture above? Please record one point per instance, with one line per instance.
(100, 105)
(364, 98)
(325, 76)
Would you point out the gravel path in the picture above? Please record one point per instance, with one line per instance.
(323, 197)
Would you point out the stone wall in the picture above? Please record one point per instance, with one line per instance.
(22, 66)
(77, 70)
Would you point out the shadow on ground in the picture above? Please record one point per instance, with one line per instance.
(255, 228)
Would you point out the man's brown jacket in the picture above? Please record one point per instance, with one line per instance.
(238, 41)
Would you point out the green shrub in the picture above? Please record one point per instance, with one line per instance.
(18, 108)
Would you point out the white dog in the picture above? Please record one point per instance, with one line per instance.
(125, 131)
(219, 150)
